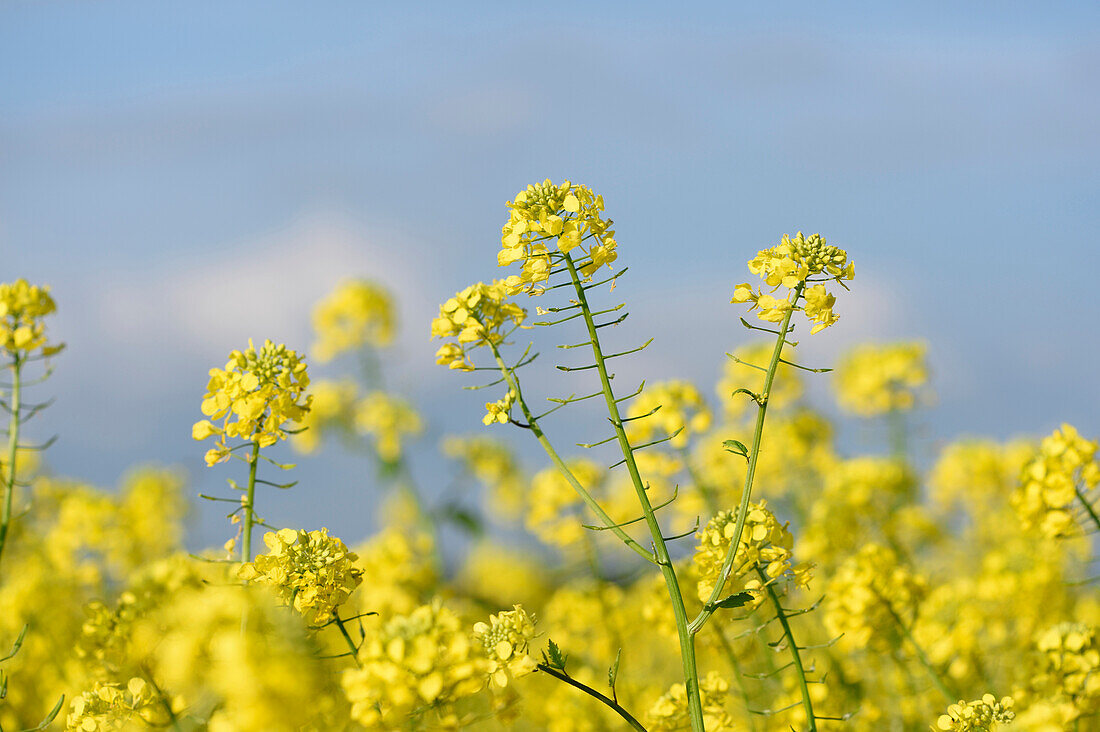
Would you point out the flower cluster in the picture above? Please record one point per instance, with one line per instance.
(417, 662)
(765, 547)
(107, 707)
(255, 395)
(553, 503)
(670, 712)
(311, 570)
(505, 640)
(1065, 465)
(1069, 668)
(794, 263)
(390, 419)
(680, 410)
(476, 316)
(22, 308)
(566, 215)
(355, 314)
(870, 594)
(874, 379)
(982, 715)
(500, 411)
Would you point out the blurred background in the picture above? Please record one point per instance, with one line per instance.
(187, 176)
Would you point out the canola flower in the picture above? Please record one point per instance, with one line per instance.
(474, 317)
(22, 309)
(673, 408)
(799, 264)
(874, 379)
(670, 712)
(108, 707)
(1068, 672)
(982, 715)
(254, 397)
(548, 219)
(312, 571)
(391, 420)
(1056, 483)
(418, 666)
(500, 411)
(765, 546)
(357, 313)
(505, 642)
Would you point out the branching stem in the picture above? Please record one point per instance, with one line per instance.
(249, 503)
(796, 658)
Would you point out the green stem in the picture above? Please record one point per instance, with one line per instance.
(13, 449)
(938, 680)
(803, 685)
(608, 701)
(1088, 506)
(532, 424)
(754, 454)
(347, 637)
(895, 421)
(249, 503)
(731, 656)
(687, 639)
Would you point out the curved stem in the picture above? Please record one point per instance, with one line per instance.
(938, 680)
(796, 658)
(249, 503)
(347, 637)
(13, 450)
(607, 701)
(532, 423)
(754, 454)
(679, 611)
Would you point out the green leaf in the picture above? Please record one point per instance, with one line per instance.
(554, 657)
(613, 672)
(737, 448)
(735, 601)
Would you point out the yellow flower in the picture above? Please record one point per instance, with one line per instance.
(108, 707)
(254, 396)
(22, 308)
(414, 665)
(1046, 498)
(310, 570)
(504, 641)
(474, 317)
(982, 715)
(563, 216)
(499, 411)
(798, 261)
(679, 407)
(765, 546)
(390, 419)
(331, 409)
(874, 379)
(355, 314)
(670, 712)
(1069, 669)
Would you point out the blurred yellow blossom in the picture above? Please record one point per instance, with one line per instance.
(390, 419)
(982, 715)
(670, 712)
(1047, 497)
(674, 407)
(474, 317)
(874, 379)
(355, 314)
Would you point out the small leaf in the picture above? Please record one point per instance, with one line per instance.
(737, 448)
(613, 672)
(554, 657)
(734, 601)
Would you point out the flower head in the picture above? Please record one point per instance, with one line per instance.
(108, 707)
(874, 379)
(500, 410)
(546, 219)
(670, 712)
(981, 715)
(22, 308)
(356, 313)
(312, 571)
(390, 419)
(474, 317)
(798, 262)
(765, 545)
(504, 641)
(1047, 496)
(254, 396)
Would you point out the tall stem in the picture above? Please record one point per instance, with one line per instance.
(754, 455)
(13, 449)
(687, 639)
(249, 503)
(796, 658)
(347, 638)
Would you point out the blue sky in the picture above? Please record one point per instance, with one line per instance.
(190, 175)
